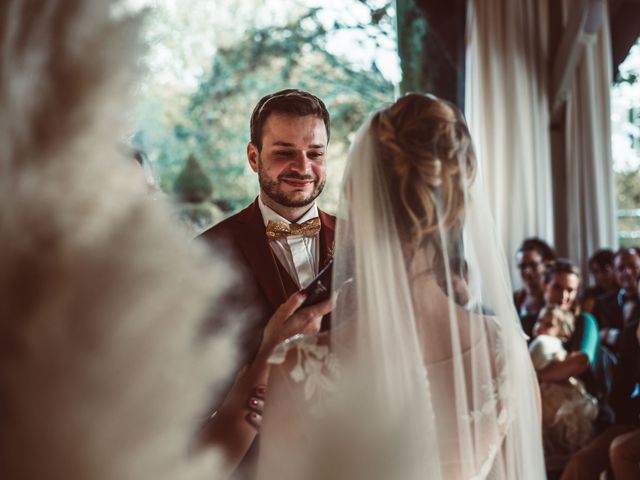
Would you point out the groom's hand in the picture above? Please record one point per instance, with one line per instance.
(288, 321)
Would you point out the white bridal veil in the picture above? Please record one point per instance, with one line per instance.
(425, 373)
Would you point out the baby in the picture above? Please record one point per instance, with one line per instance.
(568, 410)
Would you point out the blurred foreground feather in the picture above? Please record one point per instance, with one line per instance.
(103, 374)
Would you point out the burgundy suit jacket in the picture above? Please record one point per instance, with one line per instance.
(264, 285)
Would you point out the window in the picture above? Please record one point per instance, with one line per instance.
(210, 62)
(625, 129)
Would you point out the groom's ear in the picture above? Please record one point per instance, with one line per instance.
(252, 155)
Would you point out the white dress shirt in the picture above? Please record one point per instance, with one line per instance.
(299, 255)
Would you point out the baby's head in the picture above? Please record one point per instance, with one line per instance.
(555, 322)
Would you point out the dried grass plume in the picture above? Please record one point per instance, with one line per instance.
(103, 371)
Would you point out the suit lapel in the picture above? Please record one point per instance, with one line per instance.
(327, 233)
(327, 238)
(254, 245)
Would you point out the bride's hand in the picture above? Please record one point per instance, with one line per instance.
(288, 321)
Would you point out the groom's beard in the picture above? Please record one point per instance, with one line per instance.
(275, 189)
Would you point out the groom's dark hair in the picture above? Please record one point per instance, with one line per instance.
(297, 103)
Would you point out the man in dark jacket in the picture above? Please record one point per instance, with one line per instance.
(611, 309)
(279, 243)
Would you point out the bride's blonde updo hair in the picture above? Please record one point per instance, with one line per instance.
(428, 158)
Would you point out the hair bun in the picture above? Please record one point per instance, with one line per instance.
(408, 151)
(426, 148)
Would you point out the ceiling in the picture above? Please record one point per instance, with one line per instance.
(624, 17)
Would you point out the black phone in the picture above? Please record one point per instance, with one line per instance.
(320, 287)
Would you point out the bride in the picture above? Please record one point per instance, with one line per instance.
(425, 373)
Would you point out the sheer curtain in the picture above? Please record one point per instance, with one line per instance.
(590, 188)
(507, 111)
(507, 102)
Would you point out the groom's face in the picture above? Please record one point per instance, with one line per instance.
(291, 163)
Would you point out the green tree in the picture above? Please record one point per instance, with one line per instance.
(628, 189)
(193, 184)
(213, 121)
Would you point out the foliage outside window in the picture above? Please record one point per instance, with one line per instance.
(625, 123)
(210, 62)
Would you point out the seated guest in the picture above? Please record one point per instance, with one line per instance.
(624, 456)
(568, 411)
(617, 447)
(561, 288)
(624, 452)
(532, 257)
(626, 378)
(612, 309)
(601, 269)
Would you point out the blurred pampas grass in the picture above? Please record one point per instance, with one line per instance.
(104, 371)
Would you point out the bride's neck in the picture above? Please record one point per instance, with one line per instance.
(420, 262)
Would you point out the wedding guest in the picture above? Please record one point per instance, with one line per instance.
(568, 411)
(617, 446)
(624, 452)
(533, 257)
(624, 456)
(561, 288)
(601, 265)
(601, 269)
(614, 308)
(279, 243)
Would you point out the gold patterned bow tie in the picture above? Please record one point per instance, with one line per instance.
(278, 230)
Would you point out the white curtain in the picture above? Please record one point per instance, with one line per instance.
(507, 111)
(590, 187)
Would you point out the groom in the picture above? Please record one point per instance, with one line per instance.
(280, 241)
